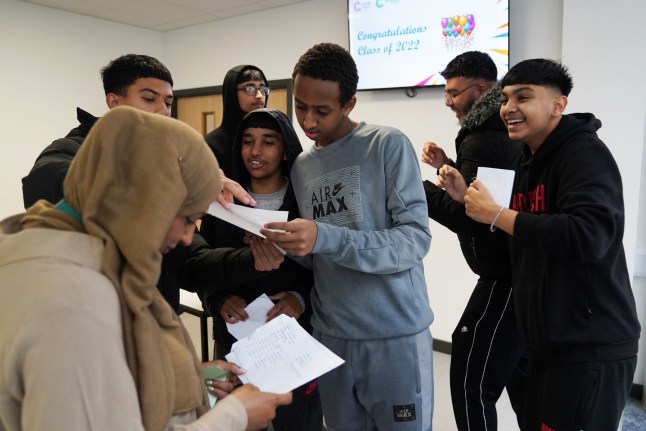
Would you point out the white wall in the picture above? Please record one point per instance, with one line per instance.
(53, 67)
(49, 63)
(421, 118)
(609, 80)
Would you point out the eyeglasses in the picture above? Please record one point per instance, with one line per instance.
(450, 97)
(252, 90)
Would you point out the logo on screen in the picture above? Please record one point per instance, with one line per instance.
(381, 3)
(358, 5)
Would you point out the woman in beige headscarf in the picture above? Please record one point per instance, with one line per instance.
(87, 340)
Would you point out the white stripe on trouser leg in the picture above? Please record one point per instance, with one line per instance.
(466, 374)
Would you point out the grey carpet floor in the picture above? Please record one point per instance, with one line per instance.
(634, 416)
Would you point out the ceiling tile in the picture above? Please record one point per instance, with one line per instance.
(163, 15)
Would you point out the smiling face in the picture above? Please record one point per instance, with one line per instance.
(262, 154)
(319, 110)
(181, 231)
(460, 95)
(147, 94)
(248, 102)
(531, 112)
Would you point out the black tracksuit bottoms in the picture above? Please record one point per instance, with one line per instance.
(487, 355)
(586, 396)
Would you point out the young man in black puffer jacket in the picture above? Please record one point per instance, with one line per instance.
(486, 350)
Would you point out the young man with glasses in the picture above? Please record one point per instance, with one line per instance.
(244, 89)
(486, 350)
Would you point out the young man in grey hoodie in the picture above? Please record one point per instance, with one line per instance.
(365, 232)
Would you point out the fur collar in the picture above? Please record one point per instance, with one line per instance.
(483, 108)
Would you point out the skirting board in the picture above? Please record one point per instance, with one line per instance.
(640, 262)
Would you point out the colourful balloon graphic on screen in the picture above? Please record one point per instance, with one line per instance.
(458, 31)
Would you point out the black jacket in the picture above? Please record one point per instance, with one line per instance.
(45, 180)
(290, 276)
(571, 285)
(482, 141)
(221, 139)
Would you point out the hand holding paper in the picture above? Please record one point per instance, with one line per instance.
(490, 191)
(249, 219)
(257, 312)
(214, 373)
(281, 356)
(499, 182)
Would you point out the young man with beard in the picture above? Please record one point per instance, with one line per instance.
(574, 303)
(486, 349)
(365, 232)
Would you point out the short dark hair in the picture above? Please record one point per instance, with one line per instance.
(330, 62)
(471, 64)
(260, 119)
(540, 71)
(122, 72)
(250, 73)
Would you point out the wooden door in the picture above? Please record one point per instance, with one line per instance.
(200, 112)
(201, 108)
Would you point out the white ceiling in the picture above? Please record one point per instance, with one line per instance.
(163, 15)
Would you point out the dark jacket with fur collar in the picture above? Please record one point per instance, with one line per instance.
(482, 141)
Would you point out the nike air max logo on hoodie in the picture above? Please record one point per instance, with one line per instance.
(331, 207)
(335, 198)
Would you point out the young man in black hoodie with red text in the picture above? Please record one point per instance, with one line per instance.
(574, 302)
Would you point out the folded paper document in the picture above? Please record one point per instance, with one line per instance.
(249, 219)
(257, 311)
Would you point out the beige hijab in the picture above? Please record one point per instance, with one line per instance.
(133, 175)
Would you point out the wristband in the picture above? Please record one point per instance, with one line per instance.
(492, 228)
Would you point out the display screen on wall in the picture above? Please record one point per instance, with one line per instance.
(407, 43)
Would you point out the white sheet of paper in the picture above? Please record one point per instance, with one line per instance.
(281, 356)
(249, 219)
(257, 311)
(499, 182)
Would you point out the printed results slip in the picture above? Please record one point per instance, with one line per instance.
(281, 356)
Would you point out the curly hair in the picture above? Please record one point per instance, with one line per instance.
(122, 72)
(330, 62)
(540, 71)
(471, 64)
